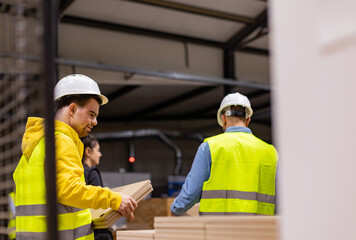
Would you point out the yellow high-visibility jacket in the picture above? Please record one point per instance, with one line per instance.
(74, 196)
(242, 176)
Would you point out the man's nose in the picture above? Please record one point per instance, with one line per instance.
(95, 122)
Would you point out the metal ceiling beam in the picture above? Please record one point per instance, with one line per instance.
(171, 102)
(258, 51)
(143, 72)
(28, 76)
(261, 115)
(152, 33)
(204, 110)
(120, 118)
(261, 106)
(256, 118)
(120, 92)
(179, 117)
(167, 75)
(237, 38)
(259, 118)
(262, 122)
(216, 107)
(63, 6)
(197, 10)
(136, 30)
(234, 43)
(229, 68)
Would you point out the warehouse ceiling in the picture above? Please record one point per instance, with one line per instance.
(168, 64)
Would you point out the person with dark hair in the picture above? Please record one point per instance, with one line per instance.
(78, 100)
(234, 172)
(91, 159)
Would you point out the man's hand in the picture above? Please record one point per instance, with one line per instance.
(128, 204)
(130, 217)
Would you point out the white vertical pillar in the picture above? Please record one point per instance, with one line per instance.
(313, 47)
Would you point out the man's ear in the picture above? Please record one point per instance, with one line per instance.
(72, 109)
(248, 121)
(223, 117)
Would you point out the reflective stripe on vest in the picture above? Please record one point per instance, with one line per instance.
(33, 210)
(73, 223)
(238, 195)
(82, 232)
(242, 176)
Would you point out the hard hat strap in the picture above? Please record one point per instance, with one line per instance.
(238, 113)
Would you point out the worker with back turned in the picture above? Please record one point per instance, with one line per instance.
(234, 172)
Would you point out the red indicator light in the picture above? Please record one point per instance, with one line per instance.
(131, 159)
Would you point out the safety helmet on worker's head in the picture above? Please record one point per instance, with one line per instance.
(78, 84)
(234, 99)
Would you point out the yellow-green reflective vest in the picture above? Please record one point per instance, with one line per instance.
(242, 176)
(73, 223)
(11, 226)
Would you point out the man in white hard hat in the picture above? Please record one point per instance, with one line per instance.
(77, 99)
(234, 172)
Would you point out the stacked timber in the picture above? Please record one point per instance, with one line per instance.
(105, 218)
(179, 228)
(135, 235)
(244, 228)
(217, 227)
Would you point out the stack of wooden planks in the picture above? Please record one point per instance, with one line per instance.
(179, 228)
(105, 218)
(217, 227)
(249, 228)
(135, 235)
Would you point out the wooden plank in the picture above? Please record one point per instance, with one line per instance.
(104, 218)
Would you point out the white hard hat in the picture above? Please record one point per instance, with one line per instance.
(78, 84)
(234, 99)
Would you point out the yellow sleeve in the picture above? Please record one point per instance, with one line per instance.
(71, 187)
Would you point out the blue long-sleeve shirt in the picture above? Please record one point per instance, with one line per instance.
(199, 173)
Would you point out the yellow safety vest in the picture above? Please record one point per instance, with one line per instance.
(73, 223)
(11, 226)
(242, 176)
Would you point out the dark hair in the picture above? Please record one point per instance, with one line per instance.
(238, 108)
(89, 141)
(80, 99)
